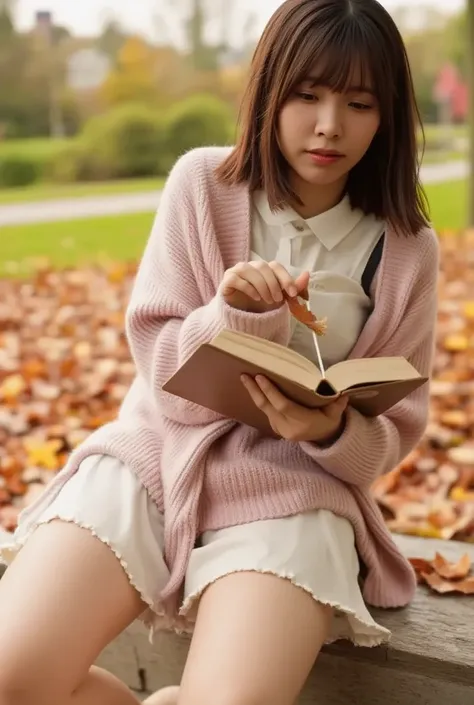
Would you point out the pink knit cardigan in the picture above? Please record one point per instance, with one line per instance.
(205, 471)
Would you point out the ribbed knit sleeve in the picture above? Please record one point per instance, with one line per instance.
(174, 307)
(369, 447)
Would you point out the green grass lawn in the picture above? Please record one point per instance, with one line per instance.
(73, 243)
(123, 237)
(448, 203)
(47, 191)
(439, 157)
(435, 132)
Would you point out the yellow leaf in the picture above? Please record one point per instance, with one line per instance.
(12, 386)
(469, 310)
(456, 343)
(43, 454)
(117, 273)
(459, 494)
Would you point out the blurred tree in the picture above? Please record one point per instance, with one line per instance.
(205, 27)
(439, 40)
(134, 77)
(7, 28)
(13, 59)
(456, 41)
(112, 39)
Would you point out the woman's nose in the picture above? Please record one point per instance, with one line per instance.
(328, 121)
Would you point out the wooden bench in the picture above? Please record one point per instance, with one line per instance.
(430, 660)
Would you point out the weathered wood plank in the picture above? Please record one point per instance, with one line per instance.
(340, 681)
(432, 645)
(335, 680)
(434, 634)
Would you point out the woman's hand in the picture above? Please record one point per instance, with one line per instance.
(257, 287)
(293, 421)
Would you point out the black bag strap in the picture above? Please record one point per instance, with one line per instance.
(372, 264)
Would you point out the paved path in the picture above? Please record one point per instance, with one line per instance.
(90, 206)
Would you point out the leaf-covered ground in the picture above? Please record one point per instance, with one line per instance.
(64, 368)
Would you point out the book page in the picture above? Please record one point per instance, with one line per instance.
(370, 371)
(267, 354)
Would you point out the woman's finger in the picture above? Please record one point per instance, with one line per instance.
(253, 276)
(271, 283)
(286, 281)
(235, 282)
(302, 281)
(256, 394)
(278, 401)
(337, 408)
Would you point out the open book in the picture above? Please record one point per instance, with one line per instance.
(211, 378)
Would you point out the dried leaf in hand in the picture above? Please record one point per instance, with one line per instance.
(304, 315)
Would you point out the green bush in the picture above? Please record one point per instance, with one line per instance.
(71, 164)
(198, 121)
(125, 143)
(39, 152)
(17, 171)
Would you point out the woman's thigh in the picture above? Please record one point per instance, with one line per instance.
(256, 639)
(62, 600)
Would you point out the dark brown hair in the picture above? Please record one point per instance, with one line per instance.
(336, 36)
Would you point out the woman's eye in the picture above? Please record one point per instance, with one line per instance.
(308, 97)
(360, 106)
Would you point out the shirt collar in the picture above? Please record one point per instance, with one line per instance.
(330, 227)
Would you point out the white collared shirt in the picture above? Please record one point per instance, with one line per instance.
(334, 247)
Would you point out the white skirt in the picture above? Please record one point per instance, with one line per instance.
(315, 550)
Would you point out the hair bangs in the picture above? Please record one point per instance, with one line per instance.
(346, 57)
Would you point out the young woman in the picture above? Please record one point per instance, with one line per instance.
(266, 548)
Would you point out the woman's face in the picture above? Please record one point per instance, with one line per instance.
(323, 134)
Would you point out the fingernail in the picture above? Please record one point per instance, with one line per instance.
(292, 290)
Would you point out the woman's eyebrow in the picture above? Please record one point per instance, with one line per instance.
(356, 88)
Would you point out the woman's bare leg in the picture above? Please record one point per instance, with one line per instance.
(62, 600)
(256, 639)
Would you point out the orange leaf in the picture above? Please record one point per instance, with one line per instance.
(451, 571)
(15, 486)
(304, 315)
(443, 586)
(421, 565)
(443, 518)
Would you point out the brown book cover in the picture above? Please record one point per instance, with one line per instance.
(211, 378)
